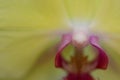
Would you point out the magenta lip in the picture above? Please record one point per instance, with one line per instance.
(102, 59)
(66, 40)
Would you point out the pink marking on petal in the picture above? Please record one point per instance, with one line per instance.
(59, 61)
(102, 59)
(78, 77)
(86, 77)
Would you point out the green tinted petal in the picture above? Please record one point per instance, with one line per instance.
(105, 75)
(46, 72)
(32, 14)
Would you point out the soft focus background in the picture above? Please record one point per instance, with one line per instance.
(28, 35)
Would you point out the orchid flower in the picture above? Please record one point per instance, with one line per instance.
(35, 33)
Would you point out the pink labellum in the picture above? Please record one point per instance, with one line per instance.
(102, 59)
(79, 67)
(78, 77)
(59, 61)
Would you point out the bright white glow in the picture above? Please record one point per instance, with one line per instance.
(81, 30)
(82, 24)
(79, 39)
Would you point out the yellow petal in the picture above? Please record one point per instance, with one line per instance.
(32, 14)
(105, 14)
(108, 16)
(19, 52)
(21, 25)
(46, 72)
(81, 9)
(105, 75)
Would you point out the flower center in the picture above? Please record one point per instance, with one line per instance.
(79, 39)
(79, 68)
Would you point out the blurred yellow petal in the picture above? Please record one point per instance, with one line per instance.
(105, 14)
(105, 75)
(18, 52)
(32, 14)
(81, 9)
(112, 47)
(108, 16)
(46, 72)
(21, 24)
